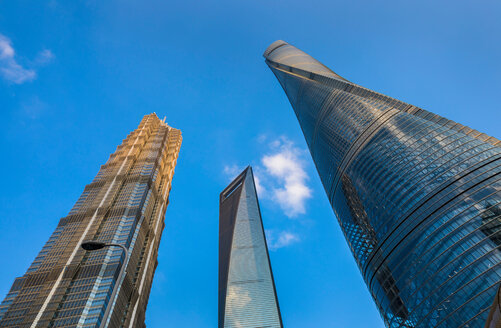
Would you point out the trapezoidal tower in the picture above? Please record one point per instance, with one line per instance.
(247, 295)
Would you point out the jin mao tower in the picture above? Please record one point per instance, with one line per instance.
(125, 205)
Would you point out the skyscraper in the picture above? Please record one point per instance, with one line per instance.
(125, 204)
(247, 296)
(416, 195)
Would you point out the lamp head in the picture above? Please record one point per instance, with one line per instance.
(91, 245)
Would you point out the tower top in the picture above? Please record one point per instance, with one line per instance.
(288, 57)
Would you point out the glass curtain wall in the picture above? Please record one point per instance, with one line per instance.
(247, 296)
(417, 195)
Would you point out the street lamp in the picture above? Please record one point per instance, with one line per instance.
(92, 245)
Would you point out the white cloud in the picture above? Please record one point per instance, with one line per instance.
(44, 57)
(280, 240)
(9, 68)
(259, 187)
(14, 72)
(281, 178)
(232, 171)
(33, 108)
(286, 166)
(6, 50)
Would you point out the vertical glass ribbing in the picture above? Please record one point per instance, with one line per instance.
(417, 196)
(125, 204)
(250, 298)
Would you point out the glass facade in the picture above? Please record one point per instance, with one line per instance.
(417, 196)
(247, 296)
(494, 317)
(66, 286)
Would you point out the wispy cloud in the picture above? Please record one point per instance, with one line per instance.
(281, 180)
(281, 177)
(14, 72)
(231, 171)
(281, 239)
(33, 108)
(284, 164)
(9, 68)
(261, 191)
(44, 57)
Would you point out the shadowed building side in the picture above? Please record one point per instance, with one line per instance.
(417, 196)
(494, 318)
(247, 295)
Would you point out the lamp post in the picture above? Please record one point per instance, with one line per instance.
(95, 245)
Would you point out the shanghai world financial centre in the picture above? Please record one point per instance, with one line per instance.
(247, 295)
(417, 196)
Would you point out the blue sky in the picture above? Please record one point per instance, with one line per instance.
(77, 76)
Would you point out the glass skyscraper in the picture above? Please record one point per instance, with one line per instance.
(417, 195)
(247, 295)
(125, 204)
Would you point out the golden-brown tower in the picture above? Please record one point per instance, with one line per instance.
(123, 207)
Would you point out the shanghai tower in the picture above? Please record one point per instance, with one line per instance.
(123, 208)
(417, 196)
(247, 295)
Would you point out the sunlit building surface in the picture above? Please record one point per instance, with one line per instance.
(247, 296)
(416, 195)
(66, 286)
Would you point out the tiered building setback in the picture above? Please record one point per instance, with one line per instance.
(66, 286)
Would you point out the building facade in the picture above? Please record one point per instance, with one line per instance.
(247, 295)
(66, 286)
(494, 317)
(417, 195)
